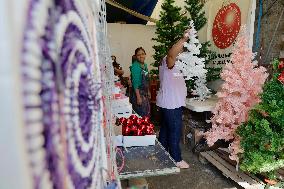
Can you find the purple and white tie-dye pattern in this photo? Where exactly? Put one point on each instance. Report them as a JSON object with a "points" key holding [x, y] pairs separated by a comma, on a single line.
{"points": [[62, 89]]}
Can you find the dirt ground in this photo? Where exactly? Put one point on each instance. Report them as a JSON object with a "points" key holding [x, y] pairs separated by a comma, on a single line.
{"points": [[198, 176]]}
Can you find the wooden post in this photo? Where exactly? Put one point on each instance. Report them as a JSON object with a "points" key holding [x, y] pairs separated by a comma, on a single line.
{"points": [[251, 22]]}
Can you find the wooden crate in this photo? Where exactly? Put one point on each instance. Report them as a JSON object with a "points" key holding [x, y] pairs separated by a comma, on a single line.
{"points": [[189, 129], [195, 138], [228, 169]]}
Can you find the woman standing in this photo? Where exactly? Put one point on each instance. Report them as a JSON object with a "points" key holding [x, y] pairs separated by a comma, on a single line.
{"points": [[140, 84], [171, 97]]}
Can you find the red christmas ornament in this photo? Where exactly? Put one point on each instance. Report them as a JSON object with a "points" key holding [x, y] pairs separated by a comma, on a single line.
{"points": [[226, 25], [133, 117], [134, 133], [151, 126], [281, 65], [139, 121], [149, 131], [129, 122], [281, 78], [126, 131], [122, 119], [134, 128], [140, 132], [143, 127], [146, 119]]}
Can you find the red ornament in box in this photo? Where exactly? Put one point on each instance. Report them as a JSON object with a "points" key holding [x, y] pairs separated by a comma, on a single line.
{"points": [[143, 127], [135, 126], [139, 121], [122, 120], [151, 126], [134, 130], [146, 119], [140, 132], [126, 131], [134, 118], [149, 131], [129, 122]]}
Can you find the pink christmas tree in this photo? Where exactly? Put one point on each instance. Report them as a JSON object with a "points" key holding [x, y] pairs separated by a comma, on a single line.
{"points": [[243, 82]]}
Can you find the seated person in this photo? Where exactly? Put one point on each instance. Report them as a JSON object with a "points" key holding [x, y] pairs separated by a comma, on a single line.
{"points": [[116, 66], [119, 72]]}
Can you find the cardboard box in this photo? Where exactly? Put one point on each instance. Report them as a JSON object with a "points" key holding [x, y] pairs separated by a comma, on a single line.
{"points": [[122, 111], [118, 140], [147, 140], [117, 130], [128, 141], [121, 107], [120, 102], [195, 137]]}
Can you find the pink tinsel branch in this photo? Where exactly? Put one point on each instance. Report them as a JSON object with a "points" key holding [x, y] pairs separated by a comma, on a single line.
{"points": [[239, 93]]}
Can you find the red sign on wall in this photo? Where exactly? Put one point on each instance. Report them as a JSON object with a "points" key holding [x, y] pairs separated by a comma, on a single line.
{"points": [[226, 25]]}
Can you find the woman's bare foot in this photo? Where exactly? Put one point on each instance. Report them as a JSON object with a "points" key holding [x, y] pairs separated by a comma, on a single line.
{"points": [[182, 165]]}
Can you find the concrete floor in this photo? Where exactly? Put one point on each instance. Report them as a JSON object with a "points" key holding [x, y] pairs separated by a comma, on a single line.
{"points": [[198, 176]]}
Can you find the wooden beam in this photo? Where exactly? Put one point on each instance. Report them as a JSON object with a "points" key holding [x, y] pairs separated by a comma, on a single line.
{"points": [[244, 180]]}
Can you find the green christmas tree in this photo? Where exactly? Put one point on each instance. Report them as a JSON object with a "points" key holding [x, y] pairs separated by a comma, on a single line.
{"points": [[197, 14], [262, 137], [170, 28]]}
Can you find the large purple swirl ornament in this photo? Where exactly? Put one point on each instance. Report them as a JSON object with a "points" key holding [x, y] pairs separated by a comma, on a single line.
{"points": [[63, 96]]}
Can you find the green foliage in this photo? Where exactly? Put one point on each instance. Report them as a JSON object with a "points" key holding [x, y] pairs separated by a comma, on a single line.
{"points": [[197, 14], [262, 137], [213, 73], [170, 28]]}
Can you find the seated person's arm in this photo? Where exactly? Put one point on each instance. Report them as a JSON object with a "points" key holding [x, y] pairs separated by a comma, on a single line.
{"points": [[118, 71]]}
